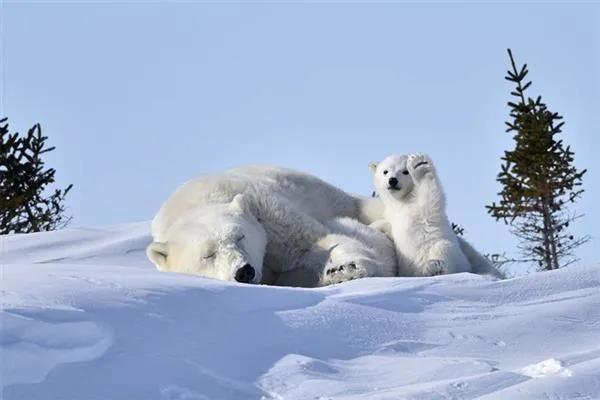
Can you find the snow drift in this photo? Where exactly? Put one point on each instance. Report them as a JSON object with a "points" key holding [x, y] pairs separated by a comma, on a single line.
{"points": [[85, 316]]}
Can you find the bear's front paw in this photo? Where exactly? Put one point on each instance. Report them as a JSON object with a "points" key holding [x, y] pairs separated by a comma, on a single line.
{"points": [[418, 164], [436, 267], [342, 273]]}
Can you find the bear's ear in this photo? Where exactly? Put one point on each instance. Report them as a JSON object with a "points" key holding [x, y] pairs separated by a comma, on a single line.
{"points": [[157, 253], [373, 167], [238, 204]]}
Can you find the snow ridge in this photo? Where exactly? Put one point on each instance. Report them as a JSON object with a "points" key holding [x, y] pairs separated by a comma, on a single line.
{"points": [[86, 317]]}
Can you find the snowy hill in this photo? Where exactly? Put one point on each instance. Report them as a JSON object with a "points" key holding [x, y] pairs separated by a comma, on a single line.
{"points": [[86, 317]]}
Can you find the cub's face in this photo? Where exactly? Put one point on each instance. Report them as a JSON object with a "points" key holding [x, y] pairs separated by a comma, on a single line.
{"points": [[391, 177], [221, 241]]}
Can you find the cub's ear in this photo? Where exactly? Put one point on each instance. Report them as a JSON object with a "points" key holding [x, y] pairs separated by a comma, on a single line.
{"points": [[238, 204], [373, 166], [157, 253]]}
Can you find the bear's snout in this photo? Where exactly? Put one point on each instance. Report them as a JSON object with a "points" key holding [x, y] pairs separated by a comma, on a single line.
{"points": [[393, 182], [245, 274]]}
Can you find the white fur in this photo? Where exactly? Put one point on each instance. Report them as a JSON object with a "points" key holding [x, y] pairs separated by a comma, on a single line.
{"points": [[351, 250], [281, 217], [214, 241], [415, 209], [374, 252]]}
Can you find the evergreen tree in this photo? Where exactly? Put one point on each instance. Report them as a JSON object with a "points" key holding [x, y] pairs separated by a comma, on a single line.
{"points": [[538, 180], [26, 206]]}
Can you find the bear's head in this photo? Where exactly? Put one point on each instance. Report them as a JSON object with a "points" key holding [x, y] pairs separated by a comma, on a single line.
{"points": [[220, 241], [391, 177]]}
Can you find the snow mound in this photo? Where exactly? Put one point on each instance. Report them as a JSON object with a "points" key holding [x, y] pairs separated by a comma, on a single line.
{"points": [[547, 367], [85, 316], [33, 343]]}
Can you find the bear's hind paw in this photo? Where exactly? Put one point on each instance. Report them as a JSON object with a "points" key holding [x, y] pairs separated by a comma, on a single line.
{"points": [[342, 273], [436, 267]]}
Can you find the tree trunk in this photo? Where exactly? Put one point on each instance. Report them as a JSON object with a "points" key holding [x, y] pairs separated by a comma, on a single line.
{"points": [[546, 234]]}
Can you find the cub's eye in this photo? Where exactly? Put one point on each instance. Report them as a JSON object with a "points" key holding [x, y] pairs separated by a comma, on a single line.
{"points": [[405, 172], [209, 256], [385, 172], [240, 238]]}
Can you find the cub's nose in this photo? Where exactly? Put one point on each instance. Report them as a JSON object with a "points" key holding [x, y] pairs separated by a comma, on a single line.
{"points": [[393, 181], [245, 274]]}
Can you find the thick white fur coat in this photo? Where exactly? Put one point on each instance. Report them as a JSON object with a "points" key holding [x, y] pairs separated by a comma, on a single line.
{"points": [[291, 207]]}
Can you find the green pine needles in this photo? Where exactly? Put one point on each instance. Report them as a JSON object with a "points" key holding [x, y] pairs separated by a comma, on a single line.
{"points": [[25, 204], [538, 180]]}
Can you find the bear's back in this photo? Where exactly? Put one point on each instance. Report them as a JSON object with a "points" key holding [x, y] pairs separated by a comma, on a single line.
{"points": [[312, 195]]}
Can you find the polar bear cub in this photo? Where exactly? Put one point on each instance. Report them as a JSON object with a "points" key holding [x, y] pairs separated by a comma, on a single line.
{"points": [[415, 208]]}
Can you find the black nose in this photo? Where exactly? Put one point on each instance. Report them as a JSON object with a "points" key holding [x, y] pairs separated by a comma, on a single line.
{"points": [[245, 274], [393, 182]]}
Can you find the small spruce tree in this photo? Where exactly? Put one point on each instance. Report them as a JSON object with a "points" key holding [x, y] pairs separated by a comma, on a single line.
{"points": [[538, 180], [25, 205]]}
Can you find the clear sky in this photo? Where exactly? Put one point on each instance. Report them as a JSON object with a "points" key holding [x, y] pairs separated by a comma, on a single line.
{"points": [[140, 96]]}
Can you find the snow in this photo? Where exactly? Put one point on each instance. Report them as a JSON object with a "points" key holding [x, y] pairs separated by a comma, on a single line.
{"points": [[545, 368], [85, 316]]}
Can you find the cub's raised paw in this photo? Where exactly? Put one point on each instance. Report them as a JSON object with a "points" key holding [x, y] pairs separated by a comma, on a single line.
{"points": [[418, 164], [342, 273], [436, 267]]}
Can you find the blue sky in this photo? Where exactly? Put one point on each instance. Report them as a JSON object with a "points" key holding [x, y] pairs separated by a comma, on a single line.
{"points": [[140, 96]]}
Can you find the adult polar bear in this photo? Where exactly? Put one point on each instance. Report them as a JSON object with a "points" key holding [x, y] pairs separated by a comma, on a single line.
{"points": [[270, 225]]}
